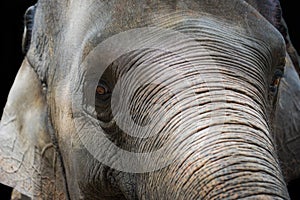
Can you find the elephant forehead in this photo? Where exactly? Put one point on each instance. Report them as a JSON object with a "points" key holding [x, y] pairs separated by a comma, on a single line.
{"points": [[69, 30], [231, 15]]}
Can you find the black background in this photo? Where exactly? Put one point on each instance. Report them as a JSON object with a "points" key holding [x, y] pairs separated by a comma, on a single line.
{"points": [[11, 37]]}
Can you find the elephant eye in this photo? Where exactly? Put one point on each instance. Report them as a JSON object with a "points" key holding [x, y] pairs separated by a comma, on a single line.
{"points": [[102, 89], [276, 80]]}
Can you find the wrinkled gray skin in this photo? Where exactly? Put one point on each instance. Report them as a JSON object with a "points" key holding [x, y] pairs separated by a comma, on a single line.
{"points": [[232, 135]]}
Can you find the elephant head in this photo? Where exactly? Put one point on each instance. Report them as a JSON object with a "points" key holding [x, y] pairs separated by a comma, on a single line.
{"points": [[157, 99]]}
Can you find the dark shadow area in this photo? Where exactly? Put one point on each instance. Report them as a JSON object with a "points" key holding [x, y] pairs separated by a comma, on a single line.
{"points": [[11, 56], [294, 189], [290, 11], [5, 192]]}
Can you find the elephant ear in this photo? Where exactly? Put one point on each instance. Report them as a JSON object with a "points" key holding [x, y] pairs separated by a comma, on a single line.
{"points": [[271, 10], [27, 156]]}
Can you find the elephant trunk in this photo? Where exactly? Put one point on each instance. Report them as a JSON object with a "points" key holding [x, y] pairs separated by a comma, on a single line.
{"points": [[233, 162], [227, 154], [222, 144]]}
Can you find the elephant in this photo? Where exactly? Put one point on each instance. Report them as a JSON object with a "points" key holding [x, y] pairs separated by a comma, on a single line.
{"points": [[160, 99]]}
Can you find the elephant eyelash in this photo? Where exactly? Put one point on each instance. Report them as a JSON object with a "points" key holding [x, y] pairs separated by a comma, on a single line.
{"points": [[28, 25]]}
